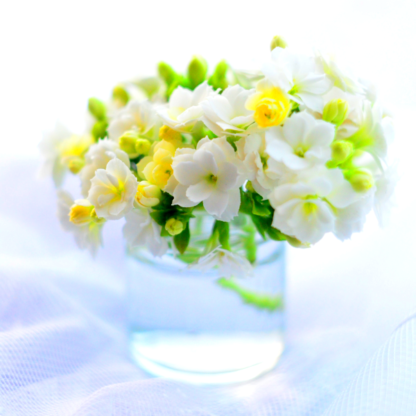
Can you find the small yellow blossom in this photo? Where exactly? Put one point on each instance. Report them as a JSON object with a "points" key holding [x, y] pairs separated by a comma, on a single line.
{"points": [[82, 213], [72, 151], [158, 169], [271, 106], [148, 195], [170, 135]]}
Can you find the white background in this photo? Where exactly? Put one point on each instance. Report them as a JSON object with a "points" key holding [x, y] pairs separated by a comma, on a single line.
{"points": [[56, 54]]}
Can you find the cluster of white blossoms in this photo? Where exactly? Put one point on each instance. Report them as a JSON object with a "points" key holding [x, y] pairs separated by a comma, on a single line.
{"points": [[301, 152]]}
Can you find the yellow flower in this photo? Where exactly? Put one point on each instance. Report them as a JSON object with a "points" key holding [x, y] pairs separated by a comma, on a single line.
{"points": [[72, 151], [170, 135], [82, 212], [270, 104], [158, 169], [147, 195]]}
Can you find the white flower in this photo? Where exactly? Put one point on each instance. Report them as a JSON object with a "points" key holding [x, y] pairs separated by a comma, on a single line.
{"points": [[375, 131], [342, 77], [251, 150], [383, 199], [113, 190], [184, 108], [50, 150], [141, 230], [209, 174], [351, 219], [97, 157], [87, 235], [299, 76], [227, 113], [301, 143], [307, 208], [229, 264], [137, 116]]}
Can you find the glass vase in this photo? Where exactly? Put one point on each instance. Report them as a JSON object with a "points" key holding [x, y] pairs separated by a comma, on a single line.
{"points": [[203, 328]]}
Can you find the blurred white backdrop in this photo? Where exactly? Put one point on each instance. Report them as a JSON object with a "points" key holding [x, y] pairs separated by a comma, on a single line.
{"points": [[55, 54]]}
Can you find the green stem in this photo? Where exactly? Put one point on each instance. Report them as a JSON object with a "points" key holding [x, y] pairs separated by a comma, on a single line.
{"points": [[259, 300]]}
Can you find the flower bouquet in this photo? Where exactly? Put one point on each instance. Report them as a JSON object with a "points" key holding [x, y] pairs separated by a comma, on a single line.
{"points": [[212, 172]]}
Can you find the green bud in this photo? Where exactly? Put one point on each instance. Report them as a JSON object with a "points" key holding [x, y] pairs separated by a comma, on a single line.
{"points": [[150, 85], [99, 129], [142, 146], [277, 41], [219, 78], [128, 142], [121, 95], [197, 71], [174, 226], [341, 150], [336, 111], [167, 73], [76, 164], [249, 187], [97, 109], [294, 242], [361, 180]]}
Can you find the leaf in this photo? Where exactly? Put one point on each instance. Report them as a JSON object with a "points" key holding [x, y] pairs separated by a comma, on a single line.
{"points": [[259, 300], [246, 206], [223, 229], [181, 240], [261, 210], [259, 225]]}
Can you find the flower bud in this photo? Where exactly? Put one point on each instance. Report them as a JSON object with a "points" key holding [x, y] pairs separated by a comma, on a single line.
{"points": [[335, 111], [97, 109], [76, 164], [99, 129], [142, 146], [197, 71], [167, 73], [277, 42], [361, 180], [81, 214], [148, 195], [341, 150], [170, 135], [127, 143], [219, 78], [120, 95], [249, 187], [174, 226], [150, 85]]}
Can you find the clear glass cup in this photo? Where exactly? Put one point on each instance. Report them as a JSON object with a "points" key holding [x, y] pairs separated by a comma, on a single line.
{"points": [[199, 327]]}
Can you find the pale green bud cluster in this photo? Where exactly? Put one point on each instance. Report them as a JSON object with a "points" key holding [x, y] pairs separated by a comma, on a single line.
{"points": [[361, 179], [134, 145], [99, 111], [341, 151], [335, 111], [174, 226]]}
